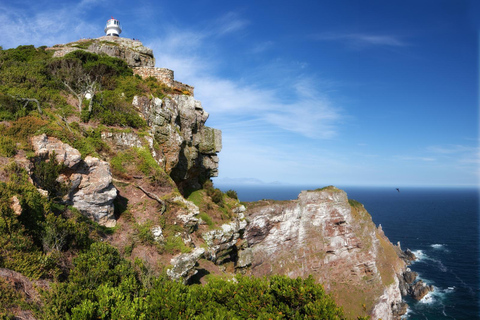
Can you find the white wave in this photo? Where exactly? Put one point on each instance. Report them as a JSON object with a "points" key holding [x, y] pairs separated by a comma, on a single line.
{"points": [[407, 314], [428, 299], [420, 255], [424, 258], [437, 295], [449, 289], [439, 246]]}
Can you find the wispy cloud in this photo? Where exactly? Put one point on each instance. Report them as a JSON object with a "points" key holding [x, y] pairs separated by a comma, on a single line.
{"points": [[305, 110], [362, 40], [410, 158], [230, 23], [47, 28]]}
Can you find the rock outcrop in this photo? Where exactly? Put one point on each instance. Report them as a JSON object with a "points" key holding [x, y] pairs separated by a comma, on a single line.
{"points": [[223, 242], [187, 148], [183, 265], [323, 234], [132, 51], [89, 181]]}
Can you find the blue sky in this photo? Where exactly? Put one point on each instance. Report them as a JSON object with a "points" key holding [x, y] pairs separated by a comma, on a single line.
{"points": [[306, 92]]}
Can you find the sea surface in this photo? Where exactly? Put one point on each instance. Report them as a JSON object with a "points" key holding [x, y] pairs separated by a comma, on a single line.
{"points": [[440, 225]]}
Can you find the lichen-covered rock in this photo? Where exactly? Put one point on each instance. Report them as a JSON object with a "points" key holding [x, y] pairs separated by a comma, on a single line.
{"points": [[90, 181], [122, 140], [245, 258], [222, 242], [95, 193], [64, 153], [183, 265], [187, 148], [157, 233]]}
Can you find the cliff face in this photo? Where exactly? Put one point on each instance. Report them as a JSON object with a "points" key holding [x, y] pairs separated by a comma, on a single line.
{"points": [[187, 149], [322, 234]]}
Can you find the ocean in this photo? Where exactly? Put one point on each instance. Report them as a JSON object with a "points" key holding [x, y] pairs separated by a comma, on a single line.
{"points": [[440, 225]]}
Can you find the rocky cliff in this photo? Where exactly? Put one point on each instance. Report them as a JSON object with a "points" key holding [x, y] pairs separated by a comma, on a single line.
{"points": [[324, 234], [147, 180]]}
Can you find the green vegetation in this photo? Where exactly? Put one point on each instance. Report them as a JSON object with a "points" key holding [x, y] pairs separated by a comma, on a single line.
{"points": [[103, 285], [44, 239], [32, 81], [46, 174], [8, 147], [355, 204], [232, 194], [328, 188]]}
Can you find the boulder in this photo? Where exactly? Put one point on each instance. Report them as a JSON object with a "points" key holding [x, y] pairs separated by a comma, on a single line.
{"points": [[64, 153], [183, 265], [95, 192], [420, 290], [91, 190]]}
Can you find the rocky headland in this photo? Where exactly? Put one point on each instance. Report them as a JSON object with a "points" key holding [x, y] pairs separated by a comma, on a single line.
{"points": [[152, 184]]}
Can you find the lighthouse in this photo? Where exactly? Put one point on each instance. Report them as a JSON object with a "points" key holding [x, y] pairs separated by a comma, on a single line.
{"points": [[113, 28]]}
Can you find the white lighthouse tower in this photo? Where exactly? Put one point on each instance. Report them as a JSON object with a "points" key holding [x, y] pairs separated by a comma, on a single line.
{"points": [[113, 28]]}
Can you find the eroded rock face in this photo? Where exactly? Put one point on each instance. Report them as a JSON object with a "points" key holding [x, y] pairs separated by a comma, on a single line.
{"points": [[222, 243], [321, 234], [90, 181], [92, 191], [188, 149]]}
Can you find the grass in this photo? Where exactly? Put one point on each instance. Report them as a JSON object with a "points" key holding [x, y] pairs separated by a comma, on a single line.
{"points": [[208, 220], [328, 188]]}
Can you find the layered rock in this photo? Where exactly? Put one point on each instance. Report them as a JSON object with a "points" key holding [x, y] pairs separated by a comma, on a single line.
{"points": [[187, 148], [90, 181], [324, 235], [223, 242]]}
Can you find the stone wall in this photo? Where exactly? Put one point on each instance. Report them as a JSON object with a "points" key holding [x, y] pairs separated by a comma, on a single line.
{"points": [[164, 75]]}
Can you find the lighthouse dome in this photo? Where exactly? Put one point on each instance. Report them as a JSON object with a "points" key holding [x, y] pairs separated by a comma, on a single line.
{"points": [[113, 28]]}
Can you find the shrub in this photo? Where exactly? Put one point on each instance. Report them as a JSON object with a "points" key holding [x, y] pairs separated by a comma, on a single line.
{"points": [[232, 194], [46, 173], [24, 128], [217, 197], [8, 147]]}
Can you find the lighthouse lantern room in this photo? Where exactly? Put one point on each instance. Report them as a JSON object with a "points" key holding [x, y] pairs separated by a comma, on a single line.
{"points": [[113, 28]]}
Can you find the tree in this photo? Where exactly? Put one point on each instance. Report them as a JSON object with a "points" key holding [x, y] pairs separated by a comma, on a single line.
{"points": [[76, 79]]}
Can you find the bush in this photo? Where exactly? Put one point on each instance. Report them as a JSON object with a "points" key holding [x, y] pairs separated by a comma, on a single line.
{"points": [[24, 128], [232, 194], [217, 197], [46, 173], [8, 147]]}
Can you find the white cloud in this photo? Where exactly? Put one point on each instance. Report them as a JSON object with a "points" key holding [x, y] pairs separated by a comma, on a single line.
{"points": [[43, 27], [362, 40], [230, 23], [299, 107]]}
